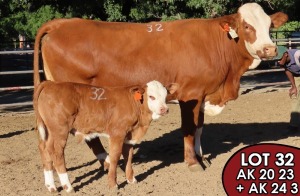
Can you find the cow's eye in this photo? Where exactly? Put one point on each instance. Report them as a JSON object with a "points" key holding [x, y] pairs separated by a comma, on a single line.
{"points": [[152, 98]]}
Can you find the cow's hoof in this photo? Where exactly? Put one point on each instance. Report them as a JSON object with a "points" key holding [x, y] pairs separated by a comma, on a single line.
{"points": [[195, 167], [205, 162]]}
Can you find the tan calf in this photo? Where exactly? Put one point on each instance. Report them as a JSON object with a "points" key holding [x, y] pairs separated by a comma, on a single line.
{"points": [[122, 114]]}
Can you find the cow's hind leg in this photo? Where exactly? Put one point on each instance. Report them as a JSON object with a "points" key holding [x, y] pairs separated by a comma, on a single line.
{"points": [[189, 115], [198, 147], [128, 155], [99, 151], [48, 167]]}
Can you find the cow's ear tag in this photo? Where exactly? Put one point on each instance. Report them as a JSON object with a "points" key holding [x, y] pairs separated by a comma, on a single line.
{"points": [[230, 30], [232, 33], [137, 96]]}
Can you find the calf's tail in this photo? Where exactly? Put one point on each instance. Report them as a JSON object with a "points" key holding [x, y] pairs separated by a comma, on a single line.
{"points": [[40, 125]]}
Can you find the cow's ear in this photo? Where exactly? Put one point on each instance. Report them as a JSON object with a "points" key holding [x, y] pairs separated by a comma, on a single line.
{"points": [[278, 19], [172, 88], [229, 21]]}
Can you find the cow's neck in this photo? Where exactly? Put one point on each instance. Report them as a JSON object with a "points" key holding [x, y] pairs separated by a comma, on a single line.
{"points": [[237, 65]]}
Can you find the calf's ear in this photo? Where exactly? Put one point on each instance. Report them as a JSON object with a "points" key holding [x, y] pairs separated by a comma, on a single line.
{"points": [[278, 19], [135, 89], [172, 88], [137, 92]]}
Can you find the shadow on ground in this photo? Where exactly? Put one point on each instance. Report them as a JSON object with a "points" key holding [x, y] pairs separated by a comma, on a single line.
{"points": [[216, 139]]}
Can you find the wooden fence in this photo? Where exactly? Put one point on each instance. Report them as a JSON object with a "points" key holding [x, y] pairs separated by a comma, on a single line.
{"points": [[288, 43]]}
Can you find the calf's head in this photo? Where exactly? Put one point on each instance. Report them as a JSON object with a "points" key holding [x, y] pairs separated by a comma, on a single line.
{"points": [[154, 97]]}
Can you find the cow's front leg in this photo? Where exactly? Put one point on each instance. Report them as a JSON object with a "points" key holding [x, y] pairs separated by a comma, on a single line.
{"points": [[128, 155], [99, 151], [198, 147], [189, 116], [115, 150]]}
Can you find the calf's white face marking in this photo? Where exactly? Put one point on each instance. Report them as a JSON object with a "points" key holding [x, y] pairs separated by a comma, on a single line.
{"points": [[156, 99], [254, 15]]}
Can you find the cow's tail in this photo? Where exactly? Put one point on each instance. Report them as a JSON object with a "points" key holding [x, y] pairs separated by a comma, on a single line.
{"points": [[43, 30], [36, 55], [40, 125]]}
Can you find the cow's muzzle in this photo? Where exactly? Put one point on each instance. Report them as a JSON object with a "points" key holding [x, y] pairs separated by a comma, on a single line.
{"points": [[269, 52]]}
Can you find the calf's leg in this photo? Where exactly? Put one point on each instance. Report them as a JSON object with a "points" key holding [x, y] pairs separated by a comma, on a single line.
{"points": [[56, 146], [48, 166], [115, 150], [128, 155]]}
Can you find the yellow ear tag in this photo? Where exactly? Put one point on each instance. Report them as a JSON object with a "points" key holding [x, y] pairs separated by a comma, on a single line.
{"points": [[137, 96]]}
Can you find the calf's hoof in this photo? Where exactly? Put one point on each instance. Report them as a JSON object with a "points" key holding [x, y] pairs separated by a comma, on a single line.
{"points": [[195, 167], [105, 166], [133, 181], [51, 189], [68, 189], [113, 187]]}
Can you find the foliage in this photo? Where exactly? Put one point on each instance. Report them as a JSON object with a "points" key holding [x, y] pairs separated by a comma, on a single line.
{"points": [[286, 30], [26, 16]]}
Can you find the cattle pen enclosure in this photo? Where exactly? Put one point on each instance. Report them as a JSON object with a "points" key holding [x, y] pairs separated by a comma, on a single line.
{"points": [[16, 79], [259, 115]]}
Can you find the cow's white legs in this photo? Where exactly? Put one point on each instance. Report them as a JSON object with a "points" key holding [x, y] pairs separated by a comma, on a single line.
{"points": [[104, 159], [49, 181], [99, 151], [65, 182], [198, 148]]}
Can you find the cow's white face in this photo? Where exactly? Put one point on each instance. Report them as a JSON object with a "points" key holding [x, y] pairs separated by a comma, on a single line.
{"points": [[156, 99], [255, 25]]}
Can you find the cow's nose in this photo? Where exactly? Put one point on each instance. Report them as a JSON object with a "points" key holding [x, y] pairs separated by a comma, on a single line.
{"points": [[164, 110], [270, 51]]}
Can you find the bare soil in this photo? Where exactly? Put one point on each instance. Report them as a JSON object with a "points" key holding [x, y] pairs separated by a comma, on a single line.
{"points": [[257, 116]]}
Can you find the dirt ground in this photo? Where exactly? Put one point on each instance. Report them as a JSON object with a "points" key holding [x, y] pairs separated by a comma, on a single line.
{"points": [[257, 116]]}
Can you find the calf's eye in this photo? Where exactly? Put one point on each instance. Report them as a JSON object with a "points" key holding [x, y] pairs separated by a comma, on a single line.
{"points": [[152, 98]]}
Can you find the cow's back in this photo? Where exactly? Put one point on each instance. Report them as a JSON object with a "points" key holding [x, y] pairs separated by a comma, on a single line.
{"points": [[114, 54]]}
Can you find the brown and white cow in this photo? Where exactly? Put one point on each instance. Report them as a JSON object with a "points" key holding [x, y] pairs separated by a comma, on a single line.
{"points": [[123, 114], [206, 57]]}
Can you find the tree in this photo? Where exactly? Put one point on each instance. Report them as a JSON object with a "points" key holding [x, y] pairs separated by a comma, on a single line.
{"points": [[26, 16]]}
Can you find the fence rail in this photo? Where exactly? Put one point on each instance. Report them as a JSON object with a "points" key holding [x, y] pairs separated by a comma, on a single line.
{"points": [[289, 42]]}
